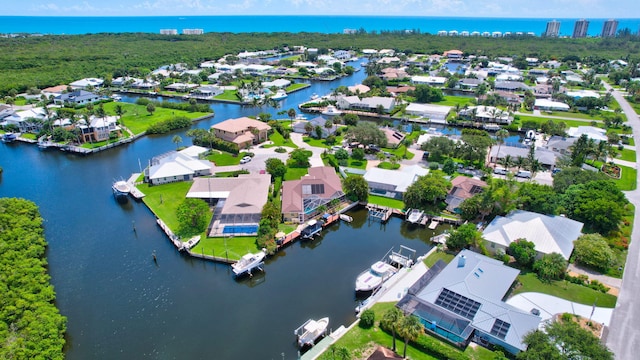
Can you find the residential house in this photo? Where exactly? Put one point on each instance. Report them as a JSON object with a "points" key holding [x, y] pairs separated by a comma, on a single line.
{"points": [[511, 86], [592, 132], [462, 188], [238, 202], [393, 183], [488, 114], [368, 103], [462, 301], [545, 156], [359, 89], [87, 83], [550, 234], [396, 90], [54, 90], [453, 54], [435, 113], [560, 144], [76, 97], [98, 129], [429, 80], [302, 198], [550, 105], [26, 120], [394, 74], [242, 131], [394, 137], [206, 91], [278, 83], [469, 83], [342, 54], [181, 87], [177, 166], [299, 127]]}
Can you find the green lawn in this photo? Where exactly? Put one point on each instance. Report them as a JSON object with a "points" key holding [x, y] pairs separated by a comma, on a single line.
{"points": [[228, 95], [456, 100], [137, 119], [565, 290], [569, 123], [322, 143], [628, 180], [388, 166], [357, 164], [438, 255], [295, 173], [296, 86], [576, 115], [628, 155], [225, 159], [163, 200], [385, 201], [29, 136], [279, 140], [286, 228], [232, 248]]}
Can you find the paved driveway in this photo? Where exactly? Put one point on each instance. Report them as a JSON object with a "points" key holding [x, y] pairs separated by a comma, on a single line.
{"points": [[551, 305]]}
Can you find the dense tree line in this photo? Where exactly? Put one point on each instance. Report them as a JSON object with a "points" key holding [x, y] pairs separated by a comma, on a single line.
{"points": [[54, 59], [31, 326]]}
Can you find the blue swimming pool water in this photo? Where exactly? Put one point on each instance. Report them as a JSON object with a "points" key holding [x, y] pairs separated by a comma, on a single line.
{"points": [[240, 229]]}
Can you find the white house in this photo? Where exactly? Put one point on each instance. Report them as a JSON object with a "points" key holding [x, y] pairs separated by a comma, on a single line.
{"points": [[177, 166], [279, 83], [592, 132], [393, 183], [435, 113], [86, 82], [369, 103], [429, 80], [546, 104]]}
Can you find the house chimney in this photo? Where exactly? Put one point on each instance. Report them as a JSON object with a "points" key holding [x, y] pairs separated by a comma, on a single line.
{"points": [[462, 260]]}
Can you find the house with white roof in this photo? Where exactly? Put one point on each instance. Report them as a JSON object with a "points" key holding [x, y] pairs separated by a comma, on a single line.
{"points": [[486, 114], [86, 82], [435, 113], [26, 120], [278, 83], [76, 97], [177, 166], [463, 300], [393, 183], [592, 132], [579, 94], [367, 103], [550, 105], [429, 80], [550, 234], [545, 156]]}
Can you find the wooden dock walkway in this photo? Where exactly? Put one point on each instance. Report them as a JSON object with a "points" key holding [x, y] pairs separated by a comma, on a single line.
{"points": [[382, 213], [137, 194]]}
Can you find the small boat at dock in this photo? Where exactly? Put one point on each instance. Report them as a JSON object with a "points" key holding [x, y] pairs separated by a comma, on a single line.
{"points": [[414, 216], [120, 189], [248, 262], [331, 111], [280, 95], [312, 229], [310, 331], [373, 277], [345, 217], [9, 137]]}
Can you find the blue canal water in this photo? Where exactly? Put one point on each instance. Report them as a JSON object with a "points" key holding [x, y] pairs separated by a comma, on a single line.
{"points": [[292, 23], [120, 304]]}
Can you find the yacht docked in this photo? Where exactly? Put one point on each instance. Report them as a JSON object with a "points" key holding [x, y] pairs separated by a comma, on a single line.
{"points": [[414, 216], [9, 137], [248, 262], [310, 331], [280, 95], [120, 189], [331, 111], [373, 277]]}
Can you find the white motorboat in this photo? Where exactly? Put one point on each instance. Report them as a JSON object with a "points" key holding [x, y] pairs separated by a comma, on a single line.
{"points": [[414, 216], [345, 217], [248, 262], [280, 95], [373, 277], [331, 111], [120, 188], [310, 331], [314, 96]]}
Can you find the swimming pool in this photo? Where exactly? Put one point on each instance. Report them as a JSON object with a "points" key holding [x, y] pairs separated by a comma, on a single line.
{"points": [[240, 229]]}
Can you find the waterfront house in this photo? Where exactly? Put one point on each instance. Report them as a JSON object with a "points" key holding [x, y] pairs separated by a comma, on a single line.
{"points": [[453, 54], [175, 166], [550, 105], [393, 183], [486, 114], [368, 104], [469, 83], [359, 89], [242, 131], [462, 301], [394, 74], [301, 199], [435, 113], [511, 86], [462, 188], [76, 97], [429, 80], [549, 233], [277, 83], [87, 83], [394, 137], [592, 132], [545, 156], [560, 144], [238, 202], [26, 120], [181, 87], [206, 92], [99, 128]]}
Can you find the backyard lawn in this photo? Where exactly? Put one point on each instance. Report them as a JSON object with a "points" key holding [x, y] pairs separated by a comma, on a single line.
{"points": [[385, 201], [137, 119], [456, 100], [163, 200], [321, 142], [294, 173], [438, 255], [228, 95], [225, 159], [628, 179], [231, 247], [279, 140], [569, 123], [565, 290], [296, 86], [627, 155]]}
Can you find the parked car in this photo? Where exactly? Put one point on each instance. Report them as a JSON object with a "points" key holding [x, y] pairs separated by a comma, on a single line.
{"points": [[500, 171], [245, 159], [524, 174], [336, 147]]}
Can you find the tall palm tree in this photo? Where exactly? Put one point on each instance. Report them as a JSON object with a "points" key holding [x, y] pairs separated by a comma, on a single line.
{"points": [[500, 136], [520, 162], [410, 329], [176, 140], [507, 161], [292, 115], [391, 321]]}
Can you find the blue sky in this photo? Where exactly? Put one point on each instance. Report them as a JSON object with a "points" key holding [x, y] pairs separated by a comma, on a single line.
{"points": [[470, 8]]}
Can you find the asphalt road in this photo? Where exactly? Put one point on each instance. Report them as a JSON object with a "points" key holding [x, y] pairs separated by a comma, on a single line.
{"points": [[623, 336]]}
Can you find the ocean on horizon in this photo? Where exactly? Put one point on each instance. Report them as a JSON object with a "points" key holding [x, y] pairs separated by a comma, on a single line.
{"points": [[320, 24]]}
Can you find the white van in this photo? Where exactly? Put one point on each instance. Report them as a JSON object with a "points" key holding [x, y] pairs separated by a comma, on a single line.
{"points": [[524, 174], [500, 171]]}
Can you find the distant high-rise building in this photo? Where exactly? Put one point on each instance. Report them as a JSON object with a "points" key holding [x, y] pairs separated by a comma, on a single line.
{"points": [[580, 30], [169, 31], [553, 29], [610, 28], [192, 31]]}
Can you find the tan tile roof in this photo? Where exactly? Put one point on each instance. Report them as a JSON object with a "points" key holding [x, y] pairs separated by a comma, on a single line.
{"points": [[292, 189], [239, 124]]}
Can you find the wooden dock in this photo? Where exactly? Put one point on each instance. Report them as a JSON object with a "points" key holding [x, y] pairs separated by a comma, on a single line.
{"points": [[137, 194], [379, 213], [433, 224]]}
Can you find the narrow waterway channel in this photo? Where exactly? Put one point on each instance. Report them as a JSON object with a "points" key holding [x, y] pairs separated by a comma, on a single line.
{"points": [[120, 304]]}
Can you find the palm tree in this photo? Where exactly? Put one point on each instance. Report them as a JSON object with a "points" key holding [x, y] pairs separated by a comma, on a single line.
{"points": [[520, 162], [391, 321], [308, 127], [176, 140], [507, 161], [410, 328], [292, 115], [500, 136]]}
